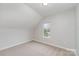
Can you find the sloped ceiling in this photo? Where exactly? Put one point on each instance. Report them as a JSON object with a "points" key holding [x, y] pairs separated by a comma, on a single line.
{"points": [[17, 15], [51, 8], [24, 15]]}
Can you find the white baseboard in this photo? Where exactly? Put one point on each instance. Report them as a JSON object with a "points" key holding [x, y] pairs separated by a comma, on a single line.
{"points": [[67, 49], [14, 45]]}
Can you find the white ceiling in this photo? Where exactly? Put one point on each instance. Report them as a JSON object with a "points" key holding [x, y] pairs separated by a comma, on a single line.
{"points": [[17, 15], [20, 15], [51, 8]]}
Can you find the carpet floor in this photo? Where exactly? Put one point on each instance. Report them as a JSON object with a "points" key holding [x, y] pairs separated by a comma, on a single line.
{"points": [[35, 49]]}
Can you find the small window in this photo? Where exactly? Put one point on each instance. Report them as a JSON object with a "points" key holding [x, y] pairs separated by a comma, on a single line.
{"points": [[46, 30]]}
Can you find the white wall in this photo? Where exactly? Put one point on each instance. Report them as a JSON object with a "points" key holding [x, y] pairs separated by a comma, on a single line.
{"points": [[12, 37], [62, 30], [18, 15], [17, 22], [77, 24]]}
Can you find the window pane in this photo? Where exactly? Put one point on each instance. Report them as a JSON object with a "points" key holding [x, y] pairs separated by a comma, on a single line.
{"points": [[46, 30]]}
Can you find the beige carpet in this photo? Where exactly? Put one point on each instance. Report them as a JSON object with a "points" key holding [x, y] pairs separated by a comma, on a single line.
{"points": [[35, 49]]}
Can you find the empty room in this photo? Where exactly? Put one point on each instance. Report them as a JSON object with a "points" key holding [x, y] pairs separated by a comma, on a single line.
{"points": [[39, 29]]}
